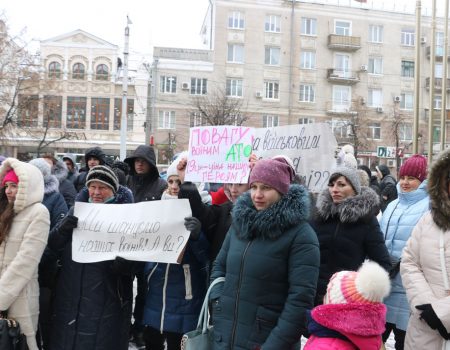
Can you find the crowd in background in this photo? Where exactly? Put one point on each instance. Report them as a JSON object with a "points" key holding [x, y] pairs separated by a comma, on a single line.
{"points": [[367, 256]]}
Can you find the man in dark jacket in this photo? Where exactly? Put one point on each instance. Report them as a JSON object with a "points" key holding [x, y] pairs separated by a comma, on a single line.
{"points": [[70, 160], [388, 189], [93, 156], [145, 183]]}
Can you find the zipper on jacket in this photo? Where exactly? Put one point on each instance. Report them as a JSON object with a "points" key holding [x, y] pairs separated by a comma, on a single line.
{"points": [[187, 282], [166, 277], [238, 292]]}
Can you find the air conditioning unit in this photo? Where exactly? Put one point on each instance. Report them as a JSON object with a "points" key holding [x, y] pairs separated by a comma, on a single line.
{"points": [[258, 94], [185, 86], [363, 101], [363, 68], [423, 40], [397, 99], [379, 109], [391, 163]]}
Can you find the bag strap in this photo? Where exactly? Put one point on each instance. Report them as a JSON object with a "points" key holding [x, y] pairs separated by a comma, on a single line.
{"points": [[204, 313]]}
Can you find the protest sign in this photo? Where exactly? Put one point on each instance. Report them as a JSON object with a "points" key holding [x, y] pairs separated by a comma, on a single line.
{"points": [[219, 154], [146, 231], [310, 146]]}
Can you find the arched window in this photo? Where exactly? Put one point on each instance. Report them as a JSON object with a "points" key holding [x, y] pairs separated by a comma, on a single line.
{"points": [[78, 71], [54, 70], [101, 73]]}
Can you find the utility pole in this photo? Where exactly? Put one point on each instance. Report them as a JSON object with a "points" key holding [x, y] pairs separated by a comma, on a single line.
{"points": [[151, 103], [444, 80], [124, 113], [432, 83], [417, 79], [291, 61]]}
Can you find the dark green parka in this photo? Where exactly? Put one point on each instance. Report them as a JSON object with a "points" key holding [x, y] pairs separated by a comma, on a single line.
{"points": [[270, 260]]}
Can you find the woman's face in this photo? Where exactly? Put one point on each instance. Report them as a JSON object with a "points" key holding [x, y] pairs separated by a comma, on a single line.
{"points": [[409, 183], [340, 189], [236, 190], [99, 192], [263, 196], [173, 183], [11, 191]]}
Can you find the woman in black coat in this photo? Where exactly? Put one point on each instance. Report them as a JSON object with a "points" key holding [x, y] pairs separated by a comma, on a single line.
{"points": [[347, 228]]}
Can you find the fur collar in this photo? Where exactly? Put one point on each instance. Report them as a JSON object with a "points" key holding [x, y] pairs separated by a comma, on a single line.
{"points": [[60, 170], [51, 184], [272, 222], [438, 189], [352, 209]]}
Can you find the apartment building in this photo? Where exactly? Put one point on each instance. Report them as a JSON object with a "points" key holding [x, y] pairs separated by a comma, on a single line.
{"points": [[308, 61]]}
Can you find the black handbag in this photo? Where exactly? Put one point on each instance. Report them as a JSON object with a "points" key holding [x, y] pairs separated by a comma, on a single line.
{"points": [[11, 338]]}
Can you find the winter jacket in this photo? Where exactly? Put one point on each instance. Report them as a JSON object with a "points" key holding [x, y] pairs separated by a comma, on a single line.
{"points": [[96, 152], [388, 189], [93, 301], [358, 326], [72, 175], [270, 260], [146, 187], [22, 249], [66, 187], [348, 233], [426, 259], [397, 223]]}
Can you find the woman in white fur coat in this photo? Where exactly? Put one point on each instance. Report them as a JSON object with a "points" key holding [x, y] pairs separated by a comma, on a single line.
{"points": [[24, 227]]}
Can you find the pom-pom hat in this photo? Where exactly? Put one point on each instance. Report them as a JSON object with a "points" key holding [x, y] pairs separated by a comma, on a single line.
{"points": [[104, 175], [415, 166], [274, 173]]}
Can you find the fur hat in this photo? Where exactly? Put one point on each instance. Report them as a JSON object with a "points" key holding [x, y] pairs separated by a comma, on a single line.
{"points": [[104, 175], [351, 174], [275, 173], [415, 166], [346, 157], [10, 176], [370, 284]]}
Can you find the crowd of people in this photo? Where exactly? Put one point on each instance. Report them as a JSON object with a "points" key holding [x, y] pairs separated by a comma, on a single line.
{"points": [[346, 267]]}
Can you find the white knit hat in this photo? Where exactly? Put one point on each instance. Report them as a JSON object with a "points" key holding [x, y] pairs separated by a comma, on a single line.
{"points": [[172, 170]]}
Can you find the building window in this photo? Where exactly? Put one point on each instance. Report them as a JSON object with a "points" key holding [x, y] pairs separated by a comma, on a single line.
{"points": [[100, 113], [78, 71], [271, 90], [439, 43], [307, 60], [196, 119], [305, 120], [308, 26], [375, 65], [375, 33], [54, 70], [340, 128], [28, 110], [168, 84], [408, 37], [438, 71], [408, 69], [76, 112], [199, 86], [341, 98], [101, 72], [272, 56], [272, 24], [407, 100], [437, 102], [375, 98], [374, 131], [405, 132], [52, 111], [306, 93], [342, 28], [236, 20], [270, 121], [235, 53], [234, 87], [118, 114], [166, 120]]}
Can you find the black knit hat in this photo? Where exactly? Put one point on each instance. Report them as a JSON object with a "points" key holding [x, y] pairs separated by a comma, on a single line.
{"points": [[104, 175]]}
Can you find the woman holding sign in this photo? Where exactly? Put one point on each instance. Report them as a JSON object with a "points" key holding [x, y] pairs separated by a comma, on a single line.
{"points": [[270, 260], [93, 300]]}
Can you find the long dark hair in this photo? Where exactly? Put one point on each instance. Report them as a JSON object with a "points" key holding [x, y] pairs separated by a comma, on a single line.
{"points": [[6, 215]]}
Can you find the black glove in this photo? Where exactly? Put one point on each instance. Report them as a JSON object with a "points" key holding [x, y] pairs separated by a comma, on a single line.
{"points": [[67, 225], [430, 317], [122, 266], [194, 226]]}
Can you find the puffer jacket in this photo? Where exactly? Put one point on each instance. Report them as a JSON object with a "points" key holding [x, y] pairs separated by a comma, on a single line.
{"points": [[426, 260], [66, 187], [348, 234], [93, 301], [397, 223], [270, 260], [21, 251]]}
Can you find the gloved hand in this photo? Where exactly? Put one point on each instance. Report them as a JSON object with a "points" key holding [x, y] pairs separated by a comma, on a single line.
{"points": [[430, 317], [193, 225], [67, 225]]}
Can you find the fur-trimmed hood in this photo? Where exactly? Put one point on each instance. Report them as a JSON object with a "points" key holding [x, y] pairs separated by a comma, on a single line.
{"points": [[272, 222], [351, 209], [438, 180], [51, 183], [60, 170]]}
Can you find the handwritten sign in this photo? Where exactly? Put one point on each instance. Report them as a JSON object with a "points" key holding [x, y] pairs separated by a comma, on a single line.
{"points": [[146, 231], [219, 154], [310, 146]]}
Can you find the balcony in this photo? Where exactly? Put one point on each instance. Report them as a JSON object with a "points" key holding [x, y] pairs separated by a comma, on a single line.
{"points": [[344, 42], [340, 109], [337, 76], [439, 53], [437, 84]]}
